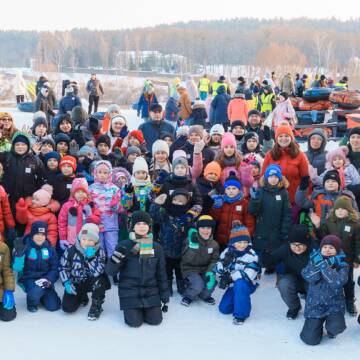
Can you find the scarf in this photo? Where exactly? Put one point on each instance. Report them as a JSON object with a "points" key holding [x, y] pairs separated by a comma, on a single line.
{"points": [[145, 244], [230, 200], [138, 183], [229, 161], [341, 172]]}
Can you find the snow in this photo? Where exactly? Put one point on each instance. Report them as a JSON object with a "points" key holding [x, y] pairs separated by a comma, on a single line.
{"points": [[194, 333]]}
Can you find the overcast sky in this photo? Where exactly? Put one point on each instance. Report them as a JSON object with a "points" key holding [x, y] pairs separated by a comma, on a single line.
{"points": [[119, 14]]}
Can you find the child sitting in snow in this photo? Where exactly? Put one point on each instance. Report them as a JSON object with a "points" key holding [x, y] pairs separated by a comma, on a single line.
{"points": [[239, 270]]}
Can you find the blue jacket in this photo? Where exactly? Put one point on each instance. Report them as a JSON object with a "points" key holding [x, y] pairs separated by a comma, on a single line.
{"points": [[219, 107], [171, 110], [144, 105], [68, 102], [40, 262], [325, 293]]}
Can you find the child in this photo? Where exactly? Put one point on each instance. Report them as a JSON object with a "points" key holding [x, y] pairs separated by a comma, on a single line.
{"points": [[134, 138], [238, 130], [62, 183], [62, 143], [160, 160], [7, 285], [216, 133], [82, 270], [132, 152], [229, 207], [37, 264], [239, 270], [106, 197], [343, 221], [7, 222], [51, 161], [199, 257], [326, 274], [140, 262], [39, 207], [77, 211], [103, 145]]}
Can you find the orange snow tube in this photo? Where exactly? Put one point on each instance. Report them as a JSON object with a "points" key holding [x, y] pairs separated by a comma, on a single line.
{"points": [[346, 99], [352, 120]]}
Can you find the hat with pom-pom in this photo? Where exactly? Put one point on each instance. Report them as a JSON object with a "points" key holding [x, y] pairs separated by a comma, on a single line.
{"points": [[238, 233], [44, 194]]}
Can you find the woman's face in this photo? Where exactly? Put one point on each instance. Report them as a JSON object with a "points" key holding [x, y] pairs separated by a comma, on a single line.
{"points": [[65, 126], [316, 142], [284, 140], [117, 126], [355, 142], [251, 144], [6, 122]]}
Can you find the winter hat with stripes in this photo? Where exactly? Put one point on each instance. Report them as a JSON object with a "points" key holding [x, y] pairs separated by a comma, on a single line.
{"points": [[238, 233]]}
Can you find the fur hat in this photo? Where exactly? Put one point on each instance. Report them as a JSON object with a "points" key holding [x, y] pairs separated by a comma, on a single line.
{"points": [[238, 233], [68, 160], [39, 227], [228, 139], [160, 145], [44, 194], [332, 240], [79, 184], [214, 168], [217, 129], [140, 216], [140, 164], [91, 231]]}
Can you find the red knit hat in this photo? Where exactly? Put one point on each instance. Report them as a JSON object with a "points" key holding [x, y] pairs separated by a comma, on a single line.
{"points": [[332, 240], [138, 135], [212, 167], [68, 160], [228, 139], [284, 129]]}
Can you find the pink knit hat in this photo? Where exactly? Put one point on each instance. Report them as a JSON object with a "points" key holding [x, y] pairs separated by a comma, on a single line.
{"points": [[341, 151], [228, 139], [44, 194], [79, 184]]}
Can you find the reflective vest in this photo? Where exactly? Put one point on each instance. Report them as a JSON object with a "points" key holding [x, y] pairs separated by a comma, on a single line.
{"points": [[216, 85], [204, 85], [266, 102], [340, 84], [253, 103]]}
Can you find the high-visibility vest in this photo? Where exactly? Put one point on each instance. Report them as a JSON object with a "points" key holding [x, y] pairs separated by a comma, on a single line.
{"points": [[216, 85], [253, 103], [340, 84], [204, 85], [266, 102]]}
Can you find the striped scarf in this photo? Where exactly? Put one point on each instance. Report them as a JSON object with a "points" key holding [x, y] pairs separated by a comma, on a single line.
{"points": [[145, 244]]}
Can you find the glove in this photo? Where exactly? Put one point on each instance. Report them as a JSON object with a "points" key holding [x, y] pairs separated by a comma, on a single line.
{"points": [[122, 251], [225, 280], [254, 193], [21, 203], [164, 307], [162, 176], [199, 147], [64, 244], [70, 288], [90, 252], [185, 219], [19, 246], [218, 201], [267, 133], [304, 183], [8, 300], [210, 280], [335, 261], [43, 283], [316, 258], [129, 189], [193, 242]]}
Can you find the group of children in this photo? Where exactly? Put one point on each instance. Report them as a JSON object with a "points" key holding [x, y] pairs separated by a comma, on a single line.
{"points": [[200, 208]]}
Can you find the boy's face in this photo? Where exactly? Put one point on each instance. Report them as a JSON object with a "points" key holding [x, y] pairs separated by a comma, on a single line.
{"points": [[241, 245], [216, 138], [341, 213], [45, 148], [355, 142], [141, 228], [229, 150], [52, 164], [62, 147], [316, 142], [232, 191], [39, 239], [103, 149], [205, 232], [140, 175], [160, 156], [273, 180], [67, 170], [103, 175], [86, 242], [131, 157], [251, 144], [328, 250], [212, 177], [331, 185], [238, 130], [80, 195], [298, 248], [133, 141], [40, 130], [65, 126], [179, 200], [20, 148], [180, 170]]}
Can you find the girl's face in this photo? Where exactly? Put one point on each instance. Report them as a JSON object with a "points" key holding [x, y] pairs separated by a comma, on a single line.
{"points": [[85, 242], [331, 185], [229, 150], [67, 170], [40, 130], [328, 251], [168, 140], [281, 98], [35, 201], [45, 148], [39, 239], [180, 170], [337, 162], [273, 180], [355, 142], [103, 175], [232, 191], [255, 171], [52, 164], [216, 139], [251, 144], [20, 148], [133, 141], [131, 157], [141, 228], [160, 156], [80, 195], [341, 213], [212, 177], [194, 138], [241, 245], [141, 175], [65, 126], [238, 131], [103, 149], [62, 147], [205, 232], [298, 248], [284, 140], [117, 126], [316, 142]]}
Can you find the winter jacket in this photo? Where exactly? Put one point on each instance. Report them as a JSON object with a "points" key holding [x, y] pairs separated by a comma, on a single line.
{"points": [[142, 280], [144, 104], [207, 156], [6, 216], [206, 187], [292, 168], [94, 87], [352, 177], [243, 173], [7, 279], [117, 140], [62, 187], [171, 110], [272, 211], [219, 106], [26, 214], [68, 102], [287, 84], [73, 215], [238, 110], [317, 159], [198, 116], [325, 295], [198, 259], [44, 104], [229, 212], [140, 198], [284, 111], [184, 104]]}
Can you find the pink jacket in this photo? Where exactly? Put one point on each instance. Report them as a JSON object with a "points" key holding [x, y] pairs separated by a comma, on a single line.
{"points": [[238, 110], [283, 112]]}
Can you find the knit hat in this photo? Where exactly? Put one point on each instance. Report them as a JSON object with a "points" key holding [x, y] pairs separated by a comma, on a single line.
{"points": [[79, 115], [354, 131], [137, 134], [197, 130], [79, 184], [299, 234], [237, 123], [228, 139], [273, 170], [160, 145], [182, 131], [119, 172], [254, 112], [86, 150], [140, 164], [205, 221], [44, 194], [68, 160], [232, 180], [39, 227], [332, 175], [140, 216], [20, 137], [40, 121], [118, 118], [217, 129], [332, 240], [156, 107], [341, 152], [238, 233], [179, 157], [103, 139], [133, 150], [251, 135], [343, 202], [48, 140], [37, 116], [284, 129], [101, 164], [91, 231], [62, 137], [214, 168], [113, 108], [52, 155]]}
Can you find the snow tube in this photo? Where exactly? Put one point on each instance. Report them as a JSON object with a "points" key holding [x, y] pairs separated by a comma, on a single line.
{"points": [[346, 99], [309, 118], [26, 106], [98, 115], [316, 94], [352, 120], [318, 105]]}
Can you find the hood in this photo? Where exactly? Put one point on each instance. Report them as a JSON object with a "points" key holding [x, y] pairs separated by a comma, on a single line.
{"points": [[323, 135], [221, 90]]}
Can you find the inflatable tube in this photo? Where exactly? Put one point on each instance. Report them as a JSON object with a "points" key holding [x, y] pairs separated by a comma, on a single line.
{"points": [[26, 106], [316, 94]]}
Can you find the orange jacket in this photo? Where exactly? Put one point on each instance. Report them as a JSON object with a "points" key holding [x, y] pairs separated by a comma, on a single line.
{"points": [[238, 110]]}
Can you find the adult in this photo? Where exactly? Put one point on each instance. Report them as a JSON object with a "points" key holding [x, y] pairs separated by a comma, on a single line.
{"points": [[287, 84], [118, 131], [7, 126], [40, 83], [146, 101], [204, 87], [316, 152], [45, 104], [192, 88], [254, 124], [219, 106], [94, 89], [69, 101], [284, 111], [237, 107], [172, 109], [19, 87], [184, 102], [220, 82], [287, 154], [343, 83], [267, 99]]}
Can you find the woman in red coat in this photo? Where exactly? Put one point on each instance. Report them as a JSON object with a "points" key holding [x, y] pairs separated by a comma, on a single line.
{"points": [[286, 153]]}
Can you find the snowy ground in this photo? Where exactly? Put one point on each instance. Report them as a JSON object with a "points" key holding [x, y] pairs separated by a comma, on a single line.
{"points": [[198, 332]]}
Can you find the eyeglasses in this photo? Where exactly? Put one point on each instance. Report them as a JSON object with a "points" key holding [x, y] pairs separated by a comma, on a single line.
{"points": [[297, 245]]}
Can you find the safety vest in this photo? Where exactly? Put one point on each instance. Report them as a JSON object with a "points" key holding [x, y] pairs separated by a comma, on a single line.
{"points": [[343, 85], [204, 85], [266, 102], [253, 103], [216, 85]]}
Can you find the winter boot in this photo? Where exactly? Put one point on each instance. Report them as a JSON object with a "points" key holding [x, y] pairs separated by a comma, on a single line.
{"points": [[95, 310], [186, 301], [210, 300], [32, 309], [293, 313], [351, 307], [238, 321], [180, 286]]}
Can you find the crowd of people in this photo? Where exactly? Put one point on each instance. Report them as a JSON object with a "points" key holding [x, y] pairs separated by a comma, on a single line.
{"points": [[206, 193]]}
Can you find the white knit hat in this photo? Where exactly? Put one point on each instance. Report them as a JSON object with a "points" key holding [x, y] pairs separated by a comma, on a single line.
{"points": [[118, 118], [160, 145], [217, 129], [140, 164]]}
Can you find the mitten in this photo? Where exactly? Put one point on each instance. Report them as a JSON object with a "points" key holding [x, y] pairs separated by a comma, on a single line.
{"points": [[90, 252], [316, 258], [43, 283], [8, 301], [304, 182], [199, 147], [210, 280], [129, 189], [225, 280], [70, 288], [164, 308], [218, 201]]}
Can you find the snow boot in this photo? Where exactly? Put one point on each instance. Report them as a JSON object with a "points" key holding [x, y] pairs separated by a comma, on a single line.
{"points": [[95, 310], [238, 321], [210, 300], [351, 307], [293, 313], [186, 301], [32, 309]]}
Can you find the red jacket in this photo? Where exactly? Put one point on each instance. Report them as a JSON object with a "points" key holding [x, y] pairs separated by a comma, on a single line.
{"points": [[292, 169], [26, 214], [227, 214], [6, 216]]}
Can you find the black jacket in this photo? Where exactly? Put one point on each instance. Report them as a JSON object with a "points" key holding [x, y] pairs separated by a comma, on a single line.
{"points": [[208, 155], [62, 187], [205, 187]]}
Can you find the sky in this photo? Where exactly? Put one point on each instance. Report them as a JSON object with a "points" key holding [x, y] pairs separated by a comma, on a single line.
{"points": [[118, 14]]}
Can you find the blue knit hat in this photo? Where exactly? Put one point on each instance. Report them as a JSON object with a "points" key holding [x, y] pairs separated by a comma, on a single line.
{"points": [[39, 227], [238, 233], [232, 180], [52, 155], [273, 170]]}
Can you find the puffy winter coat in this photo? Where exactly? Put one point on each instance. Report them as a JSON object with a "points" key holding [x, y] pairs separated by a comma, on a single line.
{"points": [[62, 186], [144, 104], [68, 102], [171, 110], [219, 105], [317, 159], [238, 110], [6, 217], [7, 279]]}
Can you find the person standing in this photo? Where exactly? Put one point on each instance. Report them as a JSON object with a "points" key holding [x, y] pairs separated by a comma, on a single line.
{"points": [[19, 87], [94, 89], [204, 87]]}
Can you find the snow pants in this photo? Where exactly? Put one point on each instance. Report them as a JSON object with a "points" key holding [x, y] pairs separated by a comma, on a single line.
{"points": [[236, 299], [203, 95], [312, 331], [195, 286], [349, 287], [136, 317], [36, 295], [289, 286], [108, 241], [7, 315]]}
